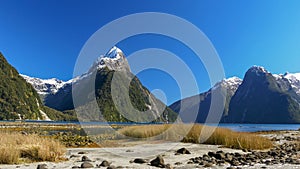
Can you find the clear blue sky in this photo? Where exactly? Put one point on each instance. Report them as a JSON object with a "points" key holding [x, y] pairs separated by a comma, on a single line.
{"points": [[43, 38]]}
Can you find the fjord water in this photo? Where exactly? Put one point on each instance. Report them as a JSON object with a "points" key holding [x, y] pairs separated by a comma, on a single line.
{"points": [[258, 127], [240, 127]]}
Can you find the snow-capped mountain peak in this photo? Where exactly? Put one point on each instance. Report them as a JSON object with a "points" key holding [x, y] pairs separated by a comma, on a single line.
{"points": [[231, 83], [233, 80], [45, 86], [114, 53], [258, 69], [114, 59]]}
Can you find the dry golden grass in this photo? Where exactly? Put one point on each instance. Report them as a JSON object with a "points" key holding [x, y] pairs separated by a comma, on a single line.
{"points": [[144, 131], [16, 148], [198, 134], [230, 139]]}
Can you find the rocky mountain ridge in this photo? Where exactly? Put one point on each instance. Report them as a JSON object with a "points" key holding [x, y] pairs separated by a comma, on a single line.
{"points": [[59, 95], [261, 97]]}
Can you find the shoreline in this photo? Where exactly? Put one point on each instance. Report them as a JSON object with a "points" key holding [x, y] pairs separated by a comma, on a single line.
{"points": [[238, 127], [124, 155]]}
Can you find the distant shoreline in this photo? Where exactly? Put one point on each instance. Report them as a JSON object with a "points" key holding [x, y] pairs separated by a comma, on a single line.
{"points": [[239, 127]]}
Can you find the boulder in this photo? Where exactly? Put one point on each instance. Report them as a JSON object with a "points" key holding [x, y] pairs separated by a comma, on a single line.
{"points": [[158, 162], [182, 151], [87, 165]]}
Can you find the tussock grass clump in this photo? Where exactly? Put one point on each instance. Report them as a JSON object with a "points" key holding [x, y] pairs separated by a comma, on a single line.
{"points": [[17, 148], [229, 138], [195, 133], [144, 131]]}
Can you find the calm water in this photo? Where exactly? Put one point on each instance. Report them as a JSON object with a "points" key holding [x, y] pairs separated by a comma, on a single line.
{"points": [[260, 127], [235, 127]]}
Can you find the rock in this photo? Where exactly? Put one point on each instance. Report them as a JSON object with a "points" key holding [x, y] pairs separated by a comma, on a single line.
{"points": [[24, 133], [221, 162], [158, 162], [268, 162], [85, 158], [105, 164], [178, 163], [230, 168], [235, 163], [205, 157], [219, 155], [190, 162], [82, 152], [211, 154], [228, 157], [86, 165], [75, 167], [168, 166], [140, 161], [42, 166], [182, 151], [237, 155], [273, 153], [296, 162], [74, 156], [208, 165], [111, 167]]}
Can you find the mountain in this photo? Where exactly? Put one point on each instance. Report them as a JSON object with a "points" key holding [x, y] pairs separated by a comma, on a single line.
{"points": [[18, 99], [51, 91], [103, 70], [261, 97], [201, 103], [47, 86], [114, 59], [265, 98], [294, 80]]}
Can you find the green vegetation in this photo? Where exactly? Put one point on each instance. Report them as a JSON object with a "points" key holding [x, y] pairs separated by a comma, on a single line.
{"points": [[17, 97], [139, 97], [19, 100], [55, 115], [191, 134], [70, 139]]}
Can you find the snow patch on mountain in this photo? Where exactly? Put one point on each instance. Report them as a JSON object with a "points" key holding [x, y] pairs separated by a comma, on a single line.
{"points": [[292, 76], [45, 86], [114, 59], [114, 53], [259, 70], [294, 79], [231, 83]]}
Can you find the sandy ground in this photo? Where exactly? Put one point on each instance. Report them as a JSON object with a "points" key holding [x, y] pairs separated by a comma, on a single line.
{"points": [[121, 156]]}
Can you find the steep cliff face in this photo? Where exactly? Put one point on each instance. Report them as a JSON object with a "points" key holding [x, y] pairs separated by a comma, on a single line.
{"points": [[264, 98], [18, 99], [103, 69], [261, 97], [226, 88]]}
